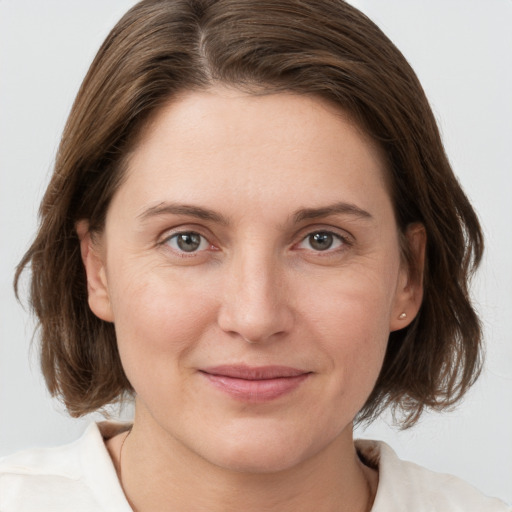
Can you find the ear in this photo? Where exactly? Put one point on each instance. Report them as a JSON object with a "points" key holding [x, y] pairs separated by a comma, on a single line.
{"points": [[409, 293], [93, 258]]}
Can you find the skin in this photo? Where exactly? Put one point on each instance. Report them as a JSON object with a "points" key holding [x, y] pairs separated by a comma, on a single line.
{"points": [[256, 292]]}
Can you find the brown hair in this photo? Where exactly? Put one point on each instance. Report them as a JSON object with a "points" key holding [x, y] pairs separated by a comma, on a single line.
{"points": [[321, 47]]}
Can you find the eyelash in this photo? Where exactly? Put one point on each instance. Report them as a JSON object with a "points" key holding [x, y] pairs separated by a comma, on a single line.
{"points": [[343, 243], [182, 253]]}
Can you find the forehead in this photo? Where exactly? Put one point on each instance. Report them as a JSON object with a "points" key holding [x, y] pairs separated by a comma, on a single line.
{"points": [[233, 114], [226, 142]]}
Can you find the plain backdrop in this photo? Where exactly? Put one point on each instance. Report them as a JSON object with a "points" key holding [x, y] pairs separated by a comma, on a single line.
{"points": [[462, 52]]}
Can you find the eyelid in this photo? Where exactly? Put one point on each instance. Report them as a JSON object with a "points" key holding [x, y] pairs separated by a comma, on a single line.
{"points": [[202, 242], [168, 234], [325, 228], [346, 239], [334, 235]]}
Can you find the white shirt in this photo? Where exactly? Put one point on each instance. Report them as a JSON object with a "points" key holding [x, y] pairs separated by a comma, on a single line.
{"points": [[80, 477]]}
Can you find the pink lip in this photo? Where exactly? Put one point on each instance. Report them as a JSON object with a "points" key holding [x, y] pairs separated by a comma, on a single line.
{"points": [[255, 384]]}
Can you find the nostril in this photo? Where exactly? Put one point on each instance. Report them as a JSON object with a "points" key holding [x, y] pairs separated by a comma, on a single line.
{"points": [[254, 308]]}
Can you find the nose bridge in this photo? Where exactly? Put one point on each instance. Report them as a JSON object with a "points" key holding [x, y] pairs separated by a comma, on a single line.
{"points": [[255, 299]]}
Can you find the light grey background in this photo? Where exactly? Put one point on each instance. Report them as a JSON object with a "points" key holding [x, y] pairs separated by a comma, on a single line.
{"points": [[462, 52]]}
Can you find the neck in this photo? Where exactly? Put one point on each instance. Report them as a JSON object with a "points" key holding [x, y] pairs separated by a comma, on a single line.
{"points": [[160, 473]]}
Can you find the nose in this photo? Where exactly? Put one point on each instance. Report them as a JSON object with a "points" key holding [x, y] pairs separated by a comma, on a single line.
{"points": [[256, 304]]}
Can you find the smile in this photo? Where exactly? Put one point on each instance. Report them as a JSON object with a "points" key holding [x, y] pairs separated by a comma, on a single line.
{"points": [[255, 384]]}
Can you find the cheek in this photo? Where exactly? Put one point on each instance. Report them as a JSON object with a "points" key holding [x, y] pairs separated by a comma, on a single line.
{"points": [[356, 300], [158, 321], [350, 319]]}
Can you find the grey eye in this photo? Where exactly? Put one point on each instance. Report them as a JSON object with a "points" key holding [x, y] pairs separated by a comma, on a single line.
{"points": [[321, 241], [187, 242]]}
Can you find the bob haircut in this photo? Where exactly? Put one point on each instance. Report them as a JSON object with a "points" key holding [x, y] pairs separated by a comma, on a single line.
{"points": [[325, 48]]}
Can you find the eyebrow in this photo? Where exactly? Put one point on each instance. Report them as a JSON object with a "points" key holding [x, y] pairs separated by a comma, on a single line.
{"points": [[182, 209], [333, 209], [165, 208]]}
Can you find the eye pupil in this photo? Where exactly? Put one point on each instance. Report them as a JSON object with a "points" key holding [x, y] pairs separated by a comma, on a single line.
{"points": [[188, 242], [321, 241]]}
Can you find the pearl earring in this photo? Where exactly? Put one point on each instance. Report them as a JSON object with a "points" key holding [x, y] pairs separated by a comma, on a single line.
{"points": [[402, 316]]}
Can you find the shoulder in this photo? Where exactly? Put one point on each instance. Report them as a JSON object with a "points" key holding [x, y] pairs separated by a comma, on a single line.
{"points": [[405, 486], [55, 479]]}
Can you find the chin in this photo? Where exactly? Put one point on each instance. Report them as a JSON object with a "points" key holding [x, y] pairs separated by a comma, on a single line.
{"points": [[264, 450], [256, 459]]}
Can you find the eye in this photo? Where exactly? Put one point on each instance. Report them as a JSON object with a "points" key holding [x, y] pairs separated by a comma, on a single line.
{"points": [[188, 241], [322, 241]]}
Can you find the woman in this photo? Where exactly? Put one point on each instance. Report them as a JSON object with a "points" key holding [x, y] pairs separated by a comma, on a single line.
{"points": [[251, 217]]}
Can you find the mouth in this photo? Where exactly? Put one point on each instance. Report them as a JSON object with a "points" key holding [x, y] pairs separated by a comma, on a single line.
{"points": [[255, 384]]}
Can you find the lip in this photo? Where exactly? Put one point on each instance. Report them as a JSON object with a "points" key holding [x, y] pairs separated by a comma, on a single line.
{"points": [[255, 384]]}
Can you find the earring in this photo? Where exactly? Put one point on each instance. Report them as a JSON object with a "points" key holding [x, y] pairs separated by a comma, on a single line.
{"points": [[402, 316]]}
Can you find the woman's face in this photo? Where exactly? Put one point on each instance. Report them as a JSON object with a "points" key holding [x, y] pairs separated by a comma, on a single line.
{"points": [[251, 265]]}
